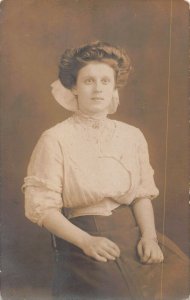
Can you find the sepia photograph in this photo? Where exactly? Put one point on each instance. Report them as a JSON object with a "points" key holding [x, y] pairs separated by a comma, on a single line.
{"points": [[94, 150]]}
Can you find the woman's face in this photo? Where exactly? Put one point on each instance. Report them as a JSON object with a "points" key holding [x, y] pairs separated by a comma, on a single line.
{"points": [[94, 88]]}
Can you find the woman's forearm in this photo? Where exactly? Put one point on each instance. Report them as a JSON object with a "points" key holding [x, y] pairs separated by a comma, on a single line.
{"points": [[100, 248], [57, 224], [144, 215]]}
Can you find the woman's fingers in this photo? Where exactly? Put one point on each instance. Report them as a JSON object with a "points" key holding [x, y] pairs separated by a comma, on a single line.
{"points": [[149, 252], [98, 257], [116, 248], [109, 249], [140, 250], [153, 259], [146, 254], [112, 252], [106, 254], [100, 248], [156, 255], [113, 249]]}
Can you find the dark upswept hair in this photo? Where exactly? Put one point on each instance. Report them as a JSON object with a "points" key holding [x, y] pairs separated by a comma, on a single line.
{"points": [[74, 59]]}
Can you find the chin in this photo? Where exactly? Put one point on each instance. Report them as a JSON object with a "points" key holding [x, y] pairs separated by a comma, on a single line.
{"points": [[98, 108]]}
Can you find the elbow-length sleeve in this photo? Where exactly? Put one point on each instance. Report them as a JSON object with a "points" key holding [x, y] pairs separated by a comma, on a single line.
{"points": [[43, 184], [146, 187]]}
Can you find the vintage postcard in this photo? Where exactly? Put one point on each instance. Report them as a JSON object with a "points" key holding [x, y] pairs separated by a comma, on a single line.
{"points": [[94, 149]]}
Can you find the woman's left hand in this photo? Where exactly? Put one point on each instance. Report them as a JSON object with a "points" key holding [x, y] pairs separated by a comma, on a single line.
{"points": [[149, 251]]}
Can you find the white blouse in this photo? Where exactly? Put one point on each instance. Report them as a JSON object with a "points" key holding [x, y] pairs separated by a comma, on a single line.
{"points": [[88, 167]]}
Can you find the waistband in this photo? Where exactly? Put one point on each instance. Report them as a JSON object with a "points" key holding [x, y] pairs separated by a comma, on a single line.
{"points": [[102, 208], [121, 217]]}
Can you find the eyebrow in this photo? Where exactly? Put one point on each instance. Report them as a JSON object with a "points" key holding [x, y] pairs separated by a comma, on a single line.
{"points": [[92, 76]]}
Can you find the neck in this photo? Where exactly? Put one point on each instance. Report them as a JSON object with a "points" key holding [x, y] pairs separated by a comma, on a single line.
{"points": [[97, 116]]}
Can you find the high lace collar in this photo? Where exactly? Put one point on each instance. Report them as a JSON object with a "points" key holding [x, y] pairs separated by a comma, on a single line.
{"points": [[91, 121]]}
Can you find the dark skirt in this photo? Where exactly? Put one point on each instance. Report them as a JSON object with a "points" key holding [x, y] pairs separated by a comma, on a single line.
{"points": [[78, 276]]}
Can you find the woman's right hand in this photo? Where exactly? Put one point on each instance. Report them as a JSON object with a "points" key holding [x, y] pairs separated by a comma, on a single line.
{"points": [[100, 248]]}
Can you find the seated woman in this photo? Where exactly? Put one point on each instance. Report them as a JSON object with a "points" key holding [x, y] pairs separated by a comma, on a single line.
{"points": [[90, 184]]}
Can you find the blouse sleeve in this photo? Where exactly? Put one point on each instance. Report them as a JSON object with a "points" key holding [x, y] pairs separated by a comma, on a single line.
{"points": [[147, 187], [43, 184]]}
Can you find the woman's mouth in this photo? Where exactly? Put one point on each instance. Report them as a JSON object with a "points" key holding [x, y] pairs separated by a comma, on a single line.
{"points": [[97, 98]]}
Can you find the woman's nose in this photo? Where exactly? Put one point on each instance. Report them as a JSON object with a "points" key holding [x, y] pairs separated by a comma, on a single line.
{"points": [[98, 86]]}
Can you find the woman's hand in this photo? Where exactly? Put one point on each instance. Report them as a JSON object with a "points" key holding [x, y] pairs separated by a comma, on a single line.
{"points": [[149, 251], [101, 248]]}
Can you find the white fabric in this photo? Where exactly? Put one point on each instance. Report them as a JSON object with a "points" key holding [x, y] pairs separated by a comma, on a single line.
{"points": [[64, 96], [89, 167], [68, 100]]}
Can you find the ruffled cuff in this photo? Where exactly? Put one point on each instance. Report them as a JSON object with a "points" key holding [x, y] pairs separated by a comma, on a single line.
{"points": [[147, 187], [40, 198], [39, 182], [149, 192]]}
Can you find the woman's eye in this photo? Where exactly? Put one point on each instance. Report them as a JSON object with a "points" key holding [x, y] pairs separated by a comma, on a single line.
{"points": [[105, 80], [89, 81]]}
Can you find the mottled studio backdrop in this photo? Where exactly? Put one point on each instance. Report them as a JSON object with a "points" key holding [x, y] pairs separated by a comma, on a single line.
{"points": [[34, 33]]}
